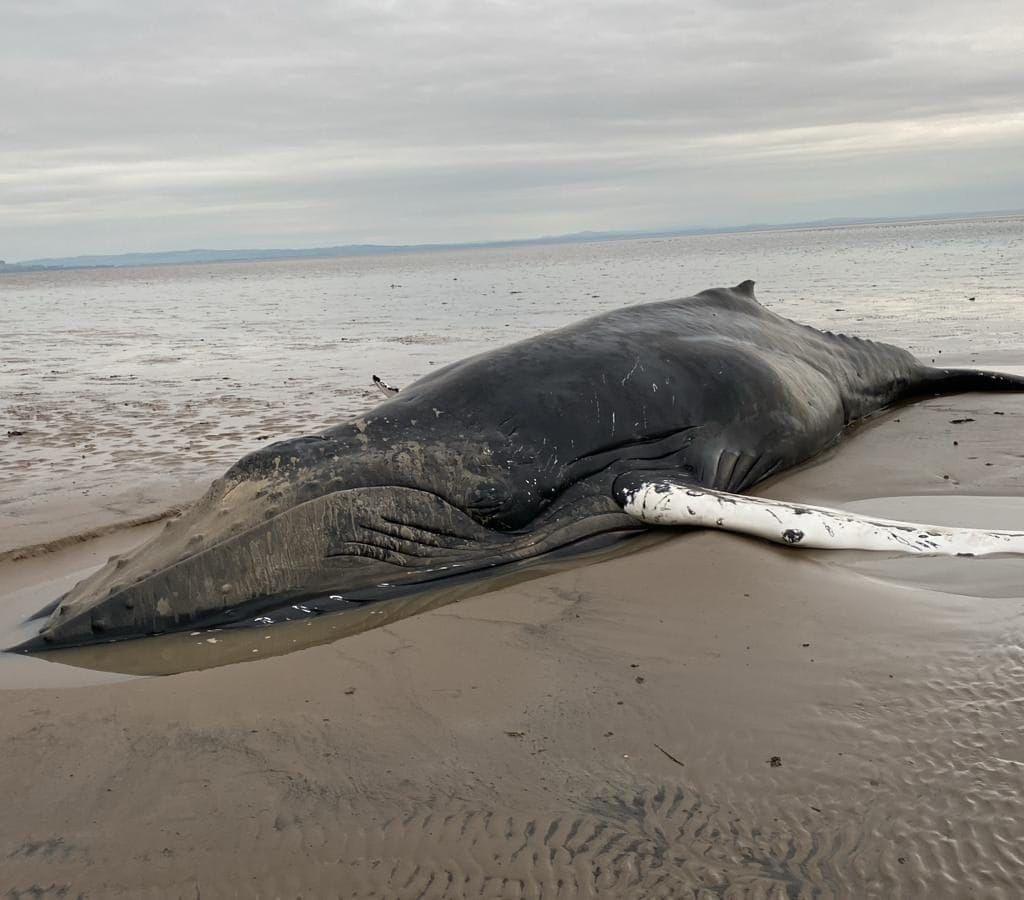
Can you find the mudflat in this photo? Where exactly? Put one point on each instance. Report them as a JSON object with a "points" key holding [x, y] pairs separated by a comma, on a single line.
{"points": [[706, 715]]}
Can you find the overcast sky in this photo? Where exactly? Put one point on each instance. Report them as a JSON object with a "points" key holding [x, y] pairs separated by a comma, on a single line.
{"points": [[144, 125]]}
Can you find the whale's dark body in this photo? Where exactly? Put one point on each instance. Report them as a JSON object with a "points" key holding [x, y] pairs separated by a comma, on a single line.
{"points": [[505, 456]]}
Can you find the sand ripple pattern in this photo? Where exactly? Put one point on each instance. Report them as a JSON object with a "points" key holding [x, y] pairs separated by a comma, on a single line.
{"points": [[906, 784], [938, 814], [665, 843]]}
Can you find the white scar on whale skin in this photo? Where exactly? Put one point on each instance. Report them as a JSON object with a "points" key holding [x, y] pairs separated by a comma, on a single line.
{"points": [[800, 525]]}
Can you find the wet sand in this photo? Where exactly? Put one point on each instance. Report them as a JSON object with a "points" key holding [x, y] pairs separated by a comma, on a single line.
{"points": [[708, 716]]}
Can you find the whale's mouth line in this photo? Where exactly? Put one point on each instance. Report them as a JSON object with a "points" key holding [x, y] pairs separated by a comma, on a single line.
{"points": [[372, 550], [314, 531], [268, 611], [214, 570], [320, 603]]}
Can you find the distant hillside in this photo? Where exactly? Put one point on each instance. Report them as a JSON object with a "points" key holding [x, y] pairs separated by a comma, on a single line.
{"points": [[183, 257]]}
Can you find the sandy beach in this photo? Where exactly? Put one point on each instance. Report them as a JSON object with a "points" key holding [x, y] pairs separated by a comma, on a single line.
{"points": [[705, 716]]}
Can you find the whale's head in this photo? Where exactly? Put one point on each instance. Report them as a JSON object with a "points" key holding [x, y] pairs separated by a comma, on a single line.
{"points": [[324, 515]]}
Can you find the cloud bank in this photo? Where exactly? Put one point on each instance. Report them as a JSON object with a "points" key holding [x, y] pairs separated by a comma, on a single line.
{"points": [[143, 125]]}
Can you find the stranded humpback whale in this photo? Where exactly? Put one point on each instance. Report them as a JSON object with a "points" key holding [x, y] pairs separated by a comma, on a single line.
{"points": [[650, 414]]}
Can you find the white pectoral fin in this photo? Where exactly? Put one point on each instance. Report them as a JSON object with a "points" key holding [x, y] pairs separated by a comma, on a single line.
{"points": [[664, 501]]}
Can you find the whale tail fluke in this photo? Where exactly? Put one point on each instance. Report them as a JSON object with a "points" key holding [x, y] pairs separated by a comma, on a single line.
{"points": [[963, 381]]}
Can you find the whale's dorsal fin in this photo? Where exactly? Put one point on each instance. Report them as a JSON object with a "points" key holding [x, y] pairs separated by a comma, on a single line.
{"points": [[746, 288], [672, 500]]}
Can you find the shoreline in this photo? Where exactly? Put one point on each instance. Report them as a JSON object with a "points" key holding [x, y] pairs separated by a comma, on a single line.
{"points": [[205, 257]]}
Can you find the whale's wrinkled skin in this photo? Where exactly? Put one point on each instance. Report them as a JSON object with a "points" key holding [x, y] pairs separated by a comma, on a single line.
{"points": [[506, 456]]}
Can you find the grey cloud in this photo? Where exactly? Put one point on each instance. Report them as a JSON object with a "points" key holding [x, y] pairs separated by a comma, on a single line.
{"points": [[267, 123]]}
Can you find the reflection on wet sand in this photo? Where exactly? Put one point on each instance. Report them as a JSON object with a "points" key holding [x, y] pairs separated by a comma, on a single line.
{"points": [[296, 628]]}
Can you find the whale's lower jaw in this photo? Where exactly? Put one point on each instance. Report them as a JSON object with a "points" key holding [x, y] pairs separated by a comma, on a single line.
{"points": [[344, 542]]}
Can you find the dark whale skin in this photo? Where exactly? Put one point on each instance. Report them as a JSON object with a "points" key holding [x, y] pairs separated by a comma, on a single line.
{"points": [[505, 456]]}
